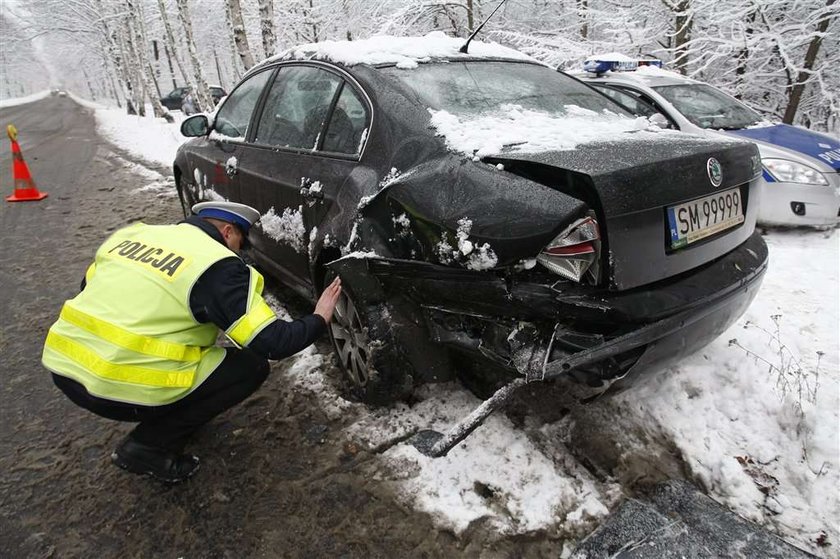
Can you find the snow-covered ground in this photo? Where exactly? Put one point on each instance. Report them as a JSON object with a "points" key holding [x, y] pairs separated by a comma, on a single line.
{"points": [[149, 138], [23, 100], [753, 417]]}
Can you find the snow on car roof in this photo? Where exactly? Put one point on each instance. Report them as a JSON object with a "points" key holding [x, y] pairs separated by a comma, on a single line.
{"points": [[612, 56], [405, 52], [652, 74]]}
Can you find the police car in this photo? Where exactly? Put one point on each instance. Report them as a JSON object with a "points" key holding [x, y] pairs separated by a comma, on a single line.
{"points": [[801, 167]]}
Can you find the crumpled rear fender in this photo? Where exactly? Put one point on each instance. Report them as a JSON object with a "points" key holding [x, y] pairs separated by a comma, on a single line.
{"points": [[515, 216]]}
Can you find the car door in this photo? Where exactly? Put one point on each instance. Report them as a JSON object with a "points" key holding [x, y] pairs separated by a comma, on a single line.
{"points": [[215, 161], [305, 145]]}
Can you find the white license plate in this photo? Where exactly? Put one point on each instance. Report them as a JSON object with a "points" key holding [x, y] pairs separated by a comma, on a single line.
{"points": [[705, 216]]}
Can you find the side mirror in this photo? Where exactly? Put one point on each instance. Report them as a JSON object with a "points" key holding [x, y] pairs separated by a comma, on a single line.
{"points": [[659, 120], [196, 125]]}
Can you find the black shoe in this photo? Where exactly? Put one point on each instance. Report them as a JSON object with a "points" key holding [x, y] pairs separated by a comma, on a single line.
{"points": [[159, 463]]}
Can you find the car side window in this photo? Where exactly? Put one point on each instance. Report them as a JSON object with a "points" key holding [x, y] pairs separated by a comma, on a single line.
{"points": [[347, 125], [234, 116], [628, 100], [296, 107]]}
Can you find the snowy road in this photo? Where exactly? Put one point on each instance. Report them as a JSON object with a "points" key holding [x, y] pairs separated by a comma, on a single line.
{"points": [[299, 471]]}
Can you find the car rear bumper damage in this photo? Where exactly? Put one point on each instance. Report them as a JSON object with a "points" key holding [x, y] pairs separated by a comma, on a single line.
{"points": [[543, 331]]}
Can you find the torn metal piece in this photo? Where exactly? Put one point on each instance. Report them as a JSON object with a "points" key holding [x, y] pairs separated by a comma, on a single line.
{"points": [[435, 444]]}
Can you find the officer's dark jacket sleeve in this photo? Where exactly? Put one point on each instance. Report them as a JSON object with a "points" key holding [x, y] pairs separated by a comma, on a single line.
{"points": [[221, 294]]}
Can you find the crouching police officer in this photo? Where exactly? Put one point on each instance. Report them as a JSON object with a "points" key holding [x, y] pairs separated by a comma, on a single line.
{"points": [[137, 344]]}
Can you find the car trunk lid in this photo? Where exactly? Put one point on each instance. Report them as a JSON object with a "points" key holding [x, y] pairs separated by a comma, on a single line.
{"points": [[631, 184]]}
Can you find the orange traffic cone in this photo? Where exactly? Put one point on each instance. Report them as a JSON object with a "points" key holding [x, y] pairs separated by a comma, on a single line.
{"points": [[25, 189]]}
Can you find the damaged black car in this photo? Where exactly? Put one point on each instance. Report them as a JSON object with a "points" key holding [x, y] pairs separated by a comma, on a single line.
{"points": [[488, 216]]}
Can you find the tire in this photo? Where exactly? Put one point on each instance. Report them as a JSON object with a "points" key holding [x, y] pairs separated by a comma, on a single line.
{"points": [[185, 196], [367, 352]]}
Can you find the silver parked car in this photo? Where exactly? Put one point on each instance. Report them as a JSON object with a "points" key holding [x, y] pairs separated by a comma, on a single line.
{"points": [[801, 167]]}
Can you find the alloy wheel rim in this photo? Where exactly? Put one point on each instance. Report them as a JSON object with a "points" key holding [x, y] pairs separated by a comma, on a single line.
{"points": [[351, 340]]}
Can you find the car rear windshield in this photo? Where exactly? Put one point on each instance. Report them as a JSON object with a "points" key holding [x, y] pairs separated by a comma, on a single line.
{"points": [[476, 87], [707, 107]]}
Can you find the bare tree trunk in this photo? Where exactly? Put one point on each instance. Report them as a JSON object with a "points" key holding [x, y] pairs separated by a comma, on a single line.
{"points": [[113, 46], [810, 58], [239, 36], [346, 10], [314, 23], [173, 49], [201, 92], [234, 57], [135, 105], [683, 22], [743, 56], [583, 15], [131, 63], [155, 82], [90, 87], [114, 88], [143, 67], [269, 39], [171, 69], [470, 18], [136, 13], [218, 68]]}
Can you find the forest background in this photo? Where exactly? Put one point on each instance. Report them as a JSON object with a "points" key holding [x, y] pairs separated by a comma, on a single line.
{"points": [[775, 55]]}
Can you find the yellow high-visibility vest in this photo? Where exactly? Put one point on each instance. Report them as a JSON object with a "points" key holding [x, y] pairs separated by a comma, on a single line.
{"points": [[130, 335]]}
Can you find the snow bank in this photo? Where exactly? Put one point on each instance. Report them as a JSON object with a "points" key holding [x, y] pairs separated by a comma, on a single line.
{"points": [[85, 102], [756, 419], [405, 52], [13, 102], [149, 138]]}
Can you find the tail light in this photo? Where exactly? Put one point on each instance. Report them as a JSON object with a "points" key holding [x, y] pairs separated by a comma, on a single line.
{"points": [[576, 252]]}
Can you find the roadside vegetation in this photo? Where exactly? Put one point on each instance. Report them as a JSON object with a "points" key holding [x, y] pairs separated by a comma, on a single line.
{"points": [[775, 55]]}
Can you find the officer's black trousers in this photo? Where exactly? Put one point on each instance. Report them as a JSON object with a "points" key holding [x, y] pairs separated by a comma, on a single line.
{"points": [[238, 376]]}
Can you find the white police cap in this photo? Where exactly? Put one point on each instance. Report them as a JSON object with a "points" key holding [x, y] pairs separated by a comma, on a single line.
{"points": [[232, 212]]}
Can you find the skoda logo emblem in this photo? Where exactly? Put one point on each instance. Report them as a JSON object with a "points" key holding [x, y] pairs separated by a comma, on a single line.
{"points": [[715, 171]]}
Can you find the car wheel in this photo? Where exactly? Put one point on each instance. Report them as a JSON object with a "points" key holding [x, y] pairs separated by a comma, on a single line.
{"points": [[366, 351], [352, 343], [186, 197]]}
